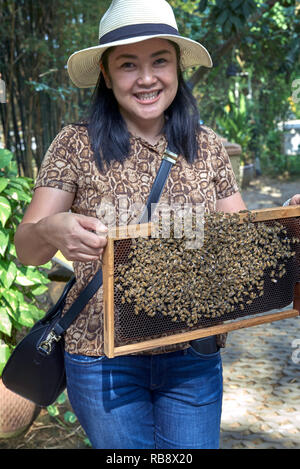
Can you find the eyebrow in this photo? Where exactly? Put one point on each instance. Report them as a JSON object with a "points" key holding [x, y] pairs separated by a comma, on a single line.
{"points": [[132, 56]]}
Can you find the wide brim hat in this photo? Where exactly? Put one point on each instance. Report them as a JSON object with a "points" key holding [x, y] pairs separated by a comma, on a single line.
{"points": [[128, 22]]}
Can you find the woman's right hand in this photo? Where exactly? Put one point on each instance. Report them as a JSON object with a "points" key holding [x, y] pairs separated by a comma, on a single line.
{"points": [[78, 237], [49, 226]]}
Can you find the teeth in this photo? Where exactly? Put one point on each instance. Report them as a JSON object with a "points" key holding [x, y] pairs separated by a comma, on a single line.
{"points": [[147, 96]]}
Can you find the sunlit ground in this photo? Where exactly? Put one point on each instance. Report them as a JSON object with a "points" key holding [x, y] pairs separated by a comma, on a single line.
{"points": [[266, 192], [261, 404]]}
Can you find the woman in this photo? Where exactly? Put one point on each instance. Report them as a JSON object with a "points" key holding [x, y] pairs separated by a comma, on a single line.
{"points": [[169, 397]]}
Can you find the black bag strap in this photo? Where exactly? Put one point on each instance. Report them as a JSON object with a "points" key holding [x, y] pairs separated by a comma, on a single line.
{"points": [[168, 160]]}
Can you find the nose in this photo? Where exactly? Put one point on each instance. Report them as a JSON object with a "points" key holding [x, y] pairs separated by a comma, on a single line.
{"points": [[147, 76]]}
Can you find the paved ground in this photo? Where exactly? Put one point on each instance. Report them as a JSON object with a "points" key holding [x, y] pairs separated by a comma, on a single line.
{"points": [[261, 365]]}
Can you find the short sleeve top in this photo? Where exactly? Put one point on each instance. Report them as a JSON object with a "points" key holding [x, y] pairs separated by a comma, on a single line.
{"points": [[69, 165]]}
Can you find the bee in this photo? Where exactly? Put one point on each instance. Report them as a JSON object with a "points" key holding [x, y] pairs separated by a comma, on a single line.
{"points": [[151, 314]]}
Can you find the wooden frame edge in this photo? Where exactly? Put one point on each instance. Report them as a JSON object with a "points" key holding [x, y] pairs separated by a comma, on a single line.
{"points": [[108, 298], [145, 229]]}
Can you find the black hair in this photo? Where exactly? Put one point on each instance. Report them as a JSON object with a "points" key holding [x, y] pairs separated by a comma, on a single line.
{"points": [[109, 136]]}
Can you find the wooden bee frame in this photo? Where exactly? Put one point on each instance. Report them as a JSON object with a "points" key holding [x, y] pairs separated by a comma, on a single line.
{"points": [[144, 230]]}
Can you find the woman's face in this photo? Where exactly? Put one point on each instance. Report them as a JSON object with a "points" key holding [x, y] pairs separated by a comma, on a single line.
{"points": [[143, 78]]}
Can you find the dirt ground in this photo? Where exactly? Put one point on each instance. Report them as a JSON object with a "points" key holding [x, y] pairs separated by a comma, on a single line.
{"points": [[264, 192], [52, 432], [49, 432]]}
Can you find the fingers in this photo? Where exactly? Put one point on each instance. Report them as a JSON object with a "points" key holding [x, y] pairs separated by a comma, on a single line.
{"points": [[94, 240], [91, 240], [78, 251], [82, 243], [93, 224], [295, 200], [81, 256]]}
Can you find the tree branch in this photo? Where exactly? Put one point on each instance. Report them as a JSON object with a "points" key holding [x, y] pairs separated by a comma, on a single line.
{"points": [[220, 54]]}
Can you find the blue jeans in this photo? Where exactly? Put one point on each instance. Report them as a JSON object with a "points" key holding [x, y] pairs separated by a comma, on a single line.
{"points": [[164, 401]]}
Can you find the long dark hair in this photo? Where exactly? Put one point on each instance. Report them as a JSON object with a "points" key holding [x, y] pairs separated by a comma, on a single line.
{"points": [[108, 132]]}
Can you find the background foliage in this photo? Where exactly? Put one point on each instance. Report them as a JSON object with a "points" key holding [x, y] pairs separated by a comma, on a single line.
{"points": [[20, 286], [254, 45]]}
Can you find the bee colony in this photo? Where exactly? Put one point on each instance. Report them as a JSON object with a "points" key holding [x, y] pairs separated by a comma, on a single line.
{"points": [[156, 291]]}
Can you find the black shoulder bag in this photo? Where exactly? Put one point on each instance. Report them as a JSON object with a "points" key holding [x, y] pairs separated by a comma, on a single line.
{"points": [[36, 370]]}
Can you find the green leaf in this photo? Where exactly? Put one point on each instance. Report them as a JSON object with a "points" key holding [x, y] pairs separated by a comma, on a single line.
{"points": [[61, 398], [17, 194], [231, 97], [36, 313], [202, 5], [5, 157], [2, 272], [236, 3], [12, 314], [10, 274], [40, 290], [222, 17], [12, 299], [35, 276], [29, 276], [4, 355], [237, 22], [242, 109], [227, 26], [53, 410], [25, 315], [4, 239], [12, 250], [3, 183], [87, 442], [23, 280], [29, 314], [11, 192], [21, 182], [5, 322], [70, 417], [247, 9], [5, 210]]}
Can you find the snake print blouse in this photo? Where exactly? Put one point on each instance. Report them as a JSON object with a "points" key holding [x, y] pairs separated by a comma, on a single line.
{"points": [[69, 165]]}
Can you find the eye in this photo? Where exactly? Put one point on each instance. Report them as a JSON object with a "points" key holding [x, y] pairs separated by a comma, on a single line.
{"points": [[127, 65], [160, 61]]}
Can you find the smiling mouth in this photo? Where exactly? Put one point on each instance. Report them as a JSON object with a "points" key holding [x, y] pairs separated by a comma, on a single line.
{"points": [[148, 97]]}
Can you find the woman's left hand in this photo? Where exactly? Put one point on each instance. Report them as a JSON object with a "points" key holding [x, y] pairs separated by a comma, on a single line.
{"points": [[295, 200]]}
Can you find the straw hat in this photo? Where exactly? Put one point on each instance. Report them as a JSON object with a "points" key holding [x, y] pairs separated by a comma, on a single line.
{"points": [[127, 22]]}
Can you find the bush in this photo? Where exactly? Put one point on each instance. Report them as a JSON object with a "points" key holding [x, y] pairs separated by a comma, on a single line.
{"points": [[19, 285], [273, 161]]}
